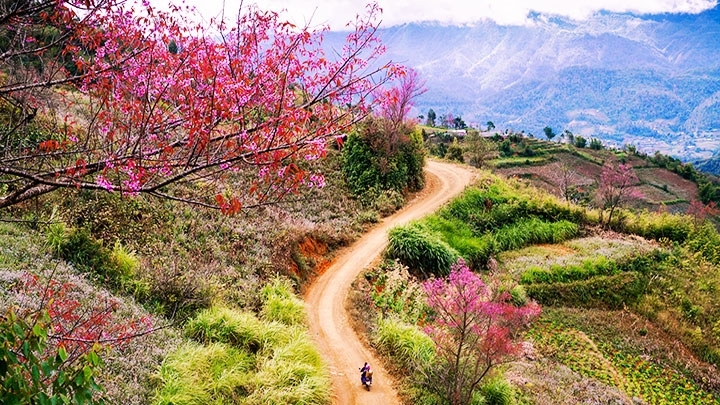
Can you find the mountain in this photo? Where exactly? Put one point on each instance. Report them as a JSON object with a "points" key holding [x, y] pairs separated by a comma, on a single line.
{"points": [[711, 165], [649, 81]]}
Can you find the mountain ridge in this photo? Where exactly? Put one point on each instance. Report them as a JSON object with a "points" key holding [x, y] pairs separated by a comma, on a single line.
{"points": [[653, 82]]}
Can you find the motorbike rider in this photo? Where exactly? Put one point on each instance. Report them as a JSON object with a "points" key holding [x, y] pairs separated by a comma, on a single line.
{"points": [[365, 374]]}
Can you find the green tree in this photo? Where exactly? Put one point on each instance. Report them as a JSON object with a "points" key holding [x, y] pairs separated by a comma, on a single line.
{"points": [[431, 116], [372, 165], [490, 126], [549, 133], [479, 148], [455, 152], [580, 142], [595, 144]]}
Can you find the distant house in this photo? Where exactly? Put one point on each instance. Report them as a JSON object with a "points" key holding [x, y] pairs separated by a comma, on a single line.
{"points": [[457, 133]]}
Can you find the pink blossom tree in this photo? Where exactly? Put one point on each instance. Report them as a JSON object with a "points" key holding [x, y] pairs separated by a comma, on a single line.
{"points": [[474, 329], [152, 100], [617, 188]]}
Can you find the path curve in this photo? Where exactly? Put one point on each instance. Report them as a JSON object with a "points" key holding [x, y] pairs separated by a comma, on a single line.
{"points": [[330, 327]]}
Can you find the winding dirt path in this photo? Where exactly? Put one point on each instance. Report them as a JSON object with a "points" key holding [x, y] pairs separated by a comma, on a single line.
{"points": [[340, 347]]}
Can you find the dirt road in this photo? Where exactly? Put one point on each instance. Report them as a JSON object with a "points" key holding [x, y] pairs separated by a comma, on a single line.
{"points": [[325, 299]]}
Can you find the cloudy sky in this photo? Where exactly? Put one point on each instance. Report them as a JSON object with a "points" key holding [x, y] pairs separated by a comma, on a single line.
{"points": [[338, 12]]}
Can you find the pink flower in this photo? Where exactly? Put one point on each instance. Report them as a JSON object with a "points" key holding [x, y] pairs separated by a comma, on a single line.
{"points": [[104, 183]]}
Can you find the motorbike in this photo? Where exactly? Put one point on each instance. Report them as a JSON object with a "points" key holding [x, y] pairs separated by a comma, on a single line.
{"points": [[366, 379]]}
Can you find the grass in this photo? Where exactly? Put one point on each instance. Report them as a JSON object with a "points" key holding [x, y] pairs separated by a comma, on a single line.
{"points": [[518, 161], [404, 342], [236, 357]]}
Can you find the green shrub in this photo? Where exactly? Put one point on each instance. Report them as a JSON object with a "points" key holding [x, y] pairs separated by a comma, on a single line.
{"points": [[87, 254], [676, 228], [422, 251], [519, 295], [455, 152], [388, 202], [395, 292], [370, 163], [30, 373], [706, 241]]}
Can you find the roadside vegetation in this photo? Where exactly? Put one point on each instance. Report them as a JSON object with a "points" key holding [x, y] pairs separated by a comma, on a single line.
{"points": [[629, 314]]}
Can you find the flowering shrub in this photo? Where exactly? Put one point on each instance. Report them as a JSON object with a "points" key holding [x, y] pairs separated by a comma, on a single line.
{"points": [[474, 329]]}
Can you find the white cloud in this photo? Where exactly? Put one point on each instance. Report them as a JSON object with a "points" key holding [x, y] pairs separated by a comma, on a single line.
{"points": [[338, 12]]}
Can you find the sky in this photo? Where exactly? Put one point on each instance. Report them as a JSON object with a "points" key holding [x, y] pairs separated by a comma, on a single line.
{"points": [[337, 13]]}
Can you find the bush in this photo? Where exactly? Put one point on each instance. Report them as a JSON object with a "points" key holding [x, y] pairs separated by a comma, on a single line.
{"points": [[706, 241], [422, 251], [32, 372], [455, 152]]}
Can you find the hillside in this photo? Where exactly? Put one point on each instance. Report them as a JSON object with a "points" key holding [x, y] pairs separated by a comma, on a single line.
{"points": [[190, 263], [622, 307], [711, 165]]}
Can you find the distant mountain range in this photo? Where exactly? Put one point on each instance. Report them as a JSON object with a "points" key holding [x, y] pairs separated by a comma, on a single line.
{"points": [[653, 82]]}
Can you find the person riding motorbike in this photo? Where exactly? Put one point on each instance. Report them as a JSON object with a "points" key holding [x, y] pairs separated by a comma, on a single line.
{"points": [[366, 376]]}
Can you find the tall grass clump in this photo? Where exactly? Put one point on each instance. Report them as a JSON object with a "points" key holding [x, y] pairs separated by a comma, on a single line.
{"points": [[278, 363], [674, 227], [216, 373], [598, 266], [293, 375], [495, 391], [406, 344], [532, 231], [281, 304], [421, 250], [236, 328], [458, 234]]}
